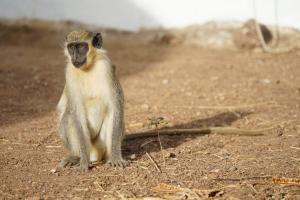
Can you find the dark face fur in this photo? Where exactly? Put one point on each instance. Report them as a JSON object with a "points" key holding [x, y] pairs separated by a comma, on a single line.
{"points": [[78, 52]]}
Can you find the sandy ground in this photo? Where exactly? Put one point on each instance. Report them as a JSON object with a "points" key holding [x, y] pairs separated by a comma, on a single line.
{"points": [[188, 85]]}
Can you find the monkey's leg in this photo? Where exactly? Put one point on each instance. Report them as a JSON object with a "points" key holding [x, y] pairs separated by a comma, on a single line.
{"points": [[113, 139], [83, 144], [72, 136], [67, 131]]}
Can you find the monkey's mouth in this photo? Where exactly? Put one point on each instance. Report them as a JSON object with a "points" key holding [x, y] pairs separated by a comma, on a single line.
{"points": [[78, 64]]}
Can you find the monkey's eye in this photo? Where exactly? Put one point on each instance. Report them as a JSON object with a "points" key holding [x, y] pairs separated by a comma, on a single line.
{"points": [[71, 47], [82, 47]]}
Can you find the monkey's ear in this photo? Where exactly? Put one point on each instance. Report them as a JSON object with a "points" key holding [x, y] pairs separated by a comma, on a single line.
{"points": [[97, 40]]}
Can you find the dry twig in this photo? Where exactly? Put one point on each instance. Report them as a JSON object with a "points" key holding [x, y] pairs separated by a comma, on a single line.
{"points": [[154, 163], [200, 131], [297, 148], [286, 181], [272, 104], [164, 189], [51, 147], [243, 179]]}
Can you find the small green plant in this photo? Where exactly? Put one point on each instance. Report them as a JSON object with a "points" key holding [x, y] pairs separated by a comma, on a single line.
{"points": [[157, 121]]}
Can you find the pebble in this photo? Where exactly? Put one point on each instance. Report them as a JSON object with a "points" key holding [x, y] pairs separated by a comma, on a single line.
{"points": [[233, 168], [33, 198], [53, 170], [171, 155], [165, 81], [136, 125], [215, 170], [145, 106], [133, 156], [266, 81]]}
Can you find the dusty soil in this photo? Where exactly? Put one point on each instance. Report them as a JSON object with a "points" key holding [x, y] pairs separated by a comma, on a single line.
{"points": [[187, 85]]}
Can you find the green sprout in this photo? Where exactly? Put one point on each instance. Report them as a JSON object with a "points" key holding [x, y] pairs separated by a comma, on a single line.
{"points": [[157, 121]]}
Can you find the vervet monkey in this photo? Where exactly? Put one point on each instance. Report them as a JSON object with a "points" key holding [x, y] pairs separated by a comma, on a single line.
{"points": [[91, 107]]}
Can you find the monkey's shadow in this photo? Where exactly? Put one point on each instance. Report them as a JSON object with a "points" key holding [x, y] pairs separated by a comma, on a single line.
{"points": [[140, 146]]}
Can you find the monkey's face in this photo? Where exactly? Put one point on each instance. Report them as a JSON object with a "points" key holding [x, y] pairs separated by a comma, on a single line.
{"points": [[78, 52], [81, 48]]}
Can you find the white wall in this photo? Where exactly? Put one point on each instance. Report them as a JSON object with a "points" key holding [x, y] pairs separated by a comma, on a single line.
{"points": [[134, 14]]}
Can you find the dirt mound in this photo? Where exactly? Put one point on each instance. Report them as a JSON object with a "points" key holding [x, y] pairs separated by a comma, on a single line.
{"points": [[230, 35], [246, 37]]}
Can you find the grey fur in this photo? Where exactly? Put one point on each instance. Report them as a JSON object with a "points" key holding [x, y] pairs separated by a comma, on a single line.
{"points": [[115, 159]]}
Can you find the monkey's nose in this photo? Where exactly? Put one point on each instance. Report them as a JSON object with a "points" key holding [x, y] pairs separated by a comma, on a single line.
{"points": [[77, 64]]}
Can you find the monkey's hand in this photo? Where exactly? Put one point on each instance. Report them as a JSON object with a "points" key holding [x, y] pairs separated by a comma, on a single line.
{"points": [[75, 161], [84, 165], [70, 161], [117, 162]]}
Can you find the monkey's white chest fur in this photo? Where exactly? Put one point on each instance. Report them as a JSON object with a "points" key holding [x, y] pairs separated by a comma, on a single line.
{"points": [[94, 87]]}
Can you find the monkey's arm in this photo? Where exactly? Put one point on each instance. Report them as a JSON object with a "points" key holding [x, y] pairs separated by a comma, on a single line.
{"points": [[115, 136], [199, 131], [78, 118], [116, 126], [62, 104]]}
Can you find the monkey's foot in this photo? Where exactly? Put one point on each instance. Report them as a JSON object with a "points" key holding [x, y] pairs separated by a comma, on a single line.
{"points": [[70, 161], [120, 162], [83, 166]]}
